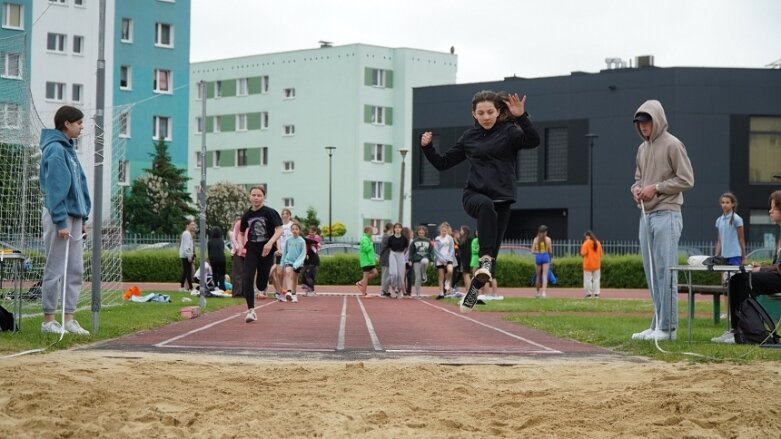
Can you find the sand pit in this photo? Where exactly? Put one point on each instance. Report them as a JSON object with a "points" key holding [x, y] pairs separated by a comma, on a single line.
{"points": [[128, 394]]}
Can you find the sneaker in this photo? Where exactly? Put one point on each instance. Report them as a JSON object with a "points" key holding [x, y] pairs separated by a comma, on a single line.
{"points": [[440, 296], [485, 272], [596, 296], [588, 295], [728, 337], [52, 327], [280, 297], [661, 335], [385, 294], [294, 298], [73, 327], [250, 317], [469, 300], [182, 290], [195, 292], [642, 335], [288, 297]]}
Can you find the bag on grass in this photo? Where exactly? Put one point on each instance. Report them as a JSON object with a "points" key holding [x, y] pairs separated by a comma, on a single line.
{"points": [[6, 320], [754, 326]]}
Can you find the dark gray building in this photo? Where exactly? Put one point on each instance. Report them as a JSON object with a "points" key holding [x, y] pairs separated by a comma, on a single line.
{"points": [[729, 120]]}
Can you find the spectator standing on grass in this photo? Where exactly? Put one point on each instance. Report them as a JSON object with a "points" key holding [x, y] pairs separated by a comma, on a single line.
{"points": [[187, 256], [237, 253], [663, 172], [216, 247], [67, 205], [730, 241], [591, 250]]}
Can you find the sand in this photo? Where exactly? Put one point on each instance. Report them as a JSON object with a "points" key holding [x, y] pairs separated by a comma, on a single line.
{"points": [[87, 393]]}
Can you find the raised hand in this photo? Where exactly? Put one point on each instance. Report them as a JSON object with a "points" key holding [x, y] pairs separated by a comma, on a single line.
{"points": [[516, 105], [425, 139]]}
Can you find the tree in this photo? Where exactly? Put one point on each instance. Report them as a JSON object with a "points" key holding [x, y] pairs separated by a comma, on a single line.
{"points": [[225, 201], [158, 201], [310, 220], [339, 230]]}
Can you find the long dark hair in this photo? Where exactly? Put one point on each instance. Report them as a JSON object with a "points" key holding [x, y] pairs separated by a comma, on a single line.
{"points": [[498, 98], [734, 200], [590, 235]]}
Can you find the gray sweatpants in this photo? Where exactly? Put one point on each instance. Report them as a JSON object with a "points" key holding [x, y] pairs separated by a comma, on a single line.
{"points": [[51, 287]]}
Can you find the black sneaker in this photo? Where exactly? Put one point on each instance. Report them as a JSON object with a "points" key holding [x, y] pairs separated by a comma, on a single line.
{"points": [[385, 294], [470, 298], [486, 270], [440, 296]]}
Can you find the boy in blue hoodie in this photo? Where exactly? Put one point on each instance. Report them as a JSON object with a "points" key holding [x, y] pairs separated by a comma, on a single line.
{"points": [[66, 208]]}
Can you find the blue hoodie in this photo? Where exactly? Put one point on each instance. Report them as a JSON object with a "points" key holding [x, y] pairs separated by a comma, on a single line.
{"points": [[63, 183]]}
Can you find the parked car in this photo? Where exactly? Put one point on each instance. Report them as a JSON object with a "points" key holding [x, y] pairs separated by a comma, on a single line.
{"points": [[761, 254], [339, 248], [515, 250]]}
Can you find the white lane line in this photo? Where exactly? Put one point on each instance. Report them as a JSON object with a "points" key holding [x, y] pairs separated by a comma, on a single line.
{"points": [[369, 327], [470, 352], [247, 349], [499, 330], [203, 328], [342, 325]]}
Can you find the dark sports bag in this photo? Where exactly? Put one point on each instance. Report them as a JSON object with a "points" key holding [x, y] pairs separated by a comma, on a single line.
{"points": [[6, 320], [754, 326]]}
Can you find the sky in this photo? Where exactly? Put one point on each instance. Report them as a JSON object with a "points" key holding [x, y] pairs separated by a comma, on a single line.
{"points": [[498, 38]]}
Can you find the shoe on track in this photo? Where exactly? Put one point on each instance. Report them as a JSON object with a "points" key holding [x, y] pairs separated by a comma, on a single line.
{"points": [[294, 298], [470, 298], [250, 317]]}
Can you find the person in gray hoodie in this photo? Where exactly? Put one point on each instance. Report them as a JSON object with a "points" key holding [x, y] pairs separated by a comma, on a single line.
{"points": [[662, 173], [67, 205]]}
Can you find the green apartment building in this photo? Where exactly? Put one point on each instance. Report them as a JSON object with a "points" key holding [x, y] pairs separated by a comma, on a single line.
{"points": [[269, 119]]}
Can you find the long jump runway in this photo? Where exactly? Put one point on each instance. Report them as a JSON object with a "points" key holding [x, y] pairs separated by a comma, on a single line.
{"points": [[352, 327]]}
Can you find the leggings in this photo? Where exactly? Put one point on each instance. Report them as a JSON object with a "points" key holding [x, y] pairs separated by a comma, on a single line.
{"points": [[255, 263], [187, 273], [492, 219]]}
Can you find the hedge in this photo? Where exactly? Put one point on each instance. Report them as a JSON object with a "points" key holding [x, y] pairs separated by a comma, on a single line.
{"points": [[513, 271]]}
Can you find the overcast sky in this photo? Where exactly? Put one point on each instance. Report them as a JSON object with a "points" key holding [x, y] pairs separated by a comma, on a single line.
{"points": [[498, 38]]}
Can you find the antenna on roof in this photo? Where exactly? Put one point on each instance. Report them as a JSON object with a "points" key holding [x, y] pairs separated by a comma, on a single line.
{"points": [[325, 44]]}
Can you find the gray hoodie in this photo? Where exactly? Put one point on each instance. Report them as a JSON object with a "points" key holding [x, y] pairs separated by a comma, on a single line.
{"points": [[662, 160]]}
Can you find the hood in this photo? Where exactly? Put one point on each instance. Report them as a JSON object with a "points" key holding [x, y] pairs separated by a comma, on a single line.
{"points": [[656, 111], [49, 136]]}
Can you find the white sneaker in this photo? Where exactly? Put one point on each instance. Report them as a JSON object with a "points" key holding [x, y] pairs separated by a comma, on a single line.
{"points": [[642, 335], [73, 327], [662, 335], [250, 317], [52, 327], [288, 297], [728, 338], [279, 296], [182, 290], [294, 298], [195, 292]]}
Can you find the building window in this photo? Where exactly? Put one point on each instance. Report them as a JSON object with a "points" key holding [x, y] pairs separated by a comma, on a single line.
{"points": [[289, 130], [378, 153], [217, 124], [242, 87], [264, 156], [126, 31], [12, 65], [216, 161], [198, 125], [78, 2], [378, 115], [289, 166], [163, 81], [377, 225], [123, 174], [289, 203], [217, 89], [124, 124], [556, 141], [125, 78], [241, 157], [55, 42], [55, 91], [77, 92], [62, 2], [377, 190], [164, 35], [198, 159], [162, 126], [264, 84], [378, 78], [290, 93], [527, 165], [264, 120], [241, 122], [78, 45], [13, 16], [10, 115], [429, 176], [764, 149]]}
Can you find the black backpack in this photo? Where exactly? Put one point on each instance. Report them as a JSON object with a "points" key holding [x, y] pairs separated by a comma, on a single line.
{"points": [[6, 320], [754, 326]]}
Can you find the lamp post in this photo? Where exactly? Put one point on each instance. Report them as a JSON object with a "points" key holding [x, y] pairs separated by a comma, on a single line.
{"points": [[403, 152], [330, 150], [591, 137]]}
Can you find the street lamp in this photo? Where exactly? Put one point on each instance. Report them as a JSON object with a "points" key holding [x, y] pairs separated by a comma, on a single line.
{"points": [[330, 150], [591, 137], [403, 152]]}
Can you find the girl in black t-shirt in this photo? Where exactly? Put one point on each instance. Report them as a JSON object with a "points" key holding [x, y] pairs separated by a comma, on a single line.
{"points": [[262, 226]]}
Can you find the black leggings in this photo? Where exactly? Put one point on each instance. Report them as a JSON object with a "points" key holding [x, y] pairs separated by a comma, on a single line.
{"points": [[187, 273], [739, 290], [218, 270], [492, 219], [254, 262]]}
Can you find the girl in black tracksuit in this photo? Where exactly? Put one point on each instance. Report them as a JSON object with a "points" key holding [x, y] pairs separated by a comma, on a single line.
{"points": [[502, 128]]}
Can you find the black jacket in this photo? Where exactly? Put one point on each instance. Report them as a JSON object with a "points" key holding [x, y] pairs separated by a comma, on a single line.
{"points": [[492, 156]]}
